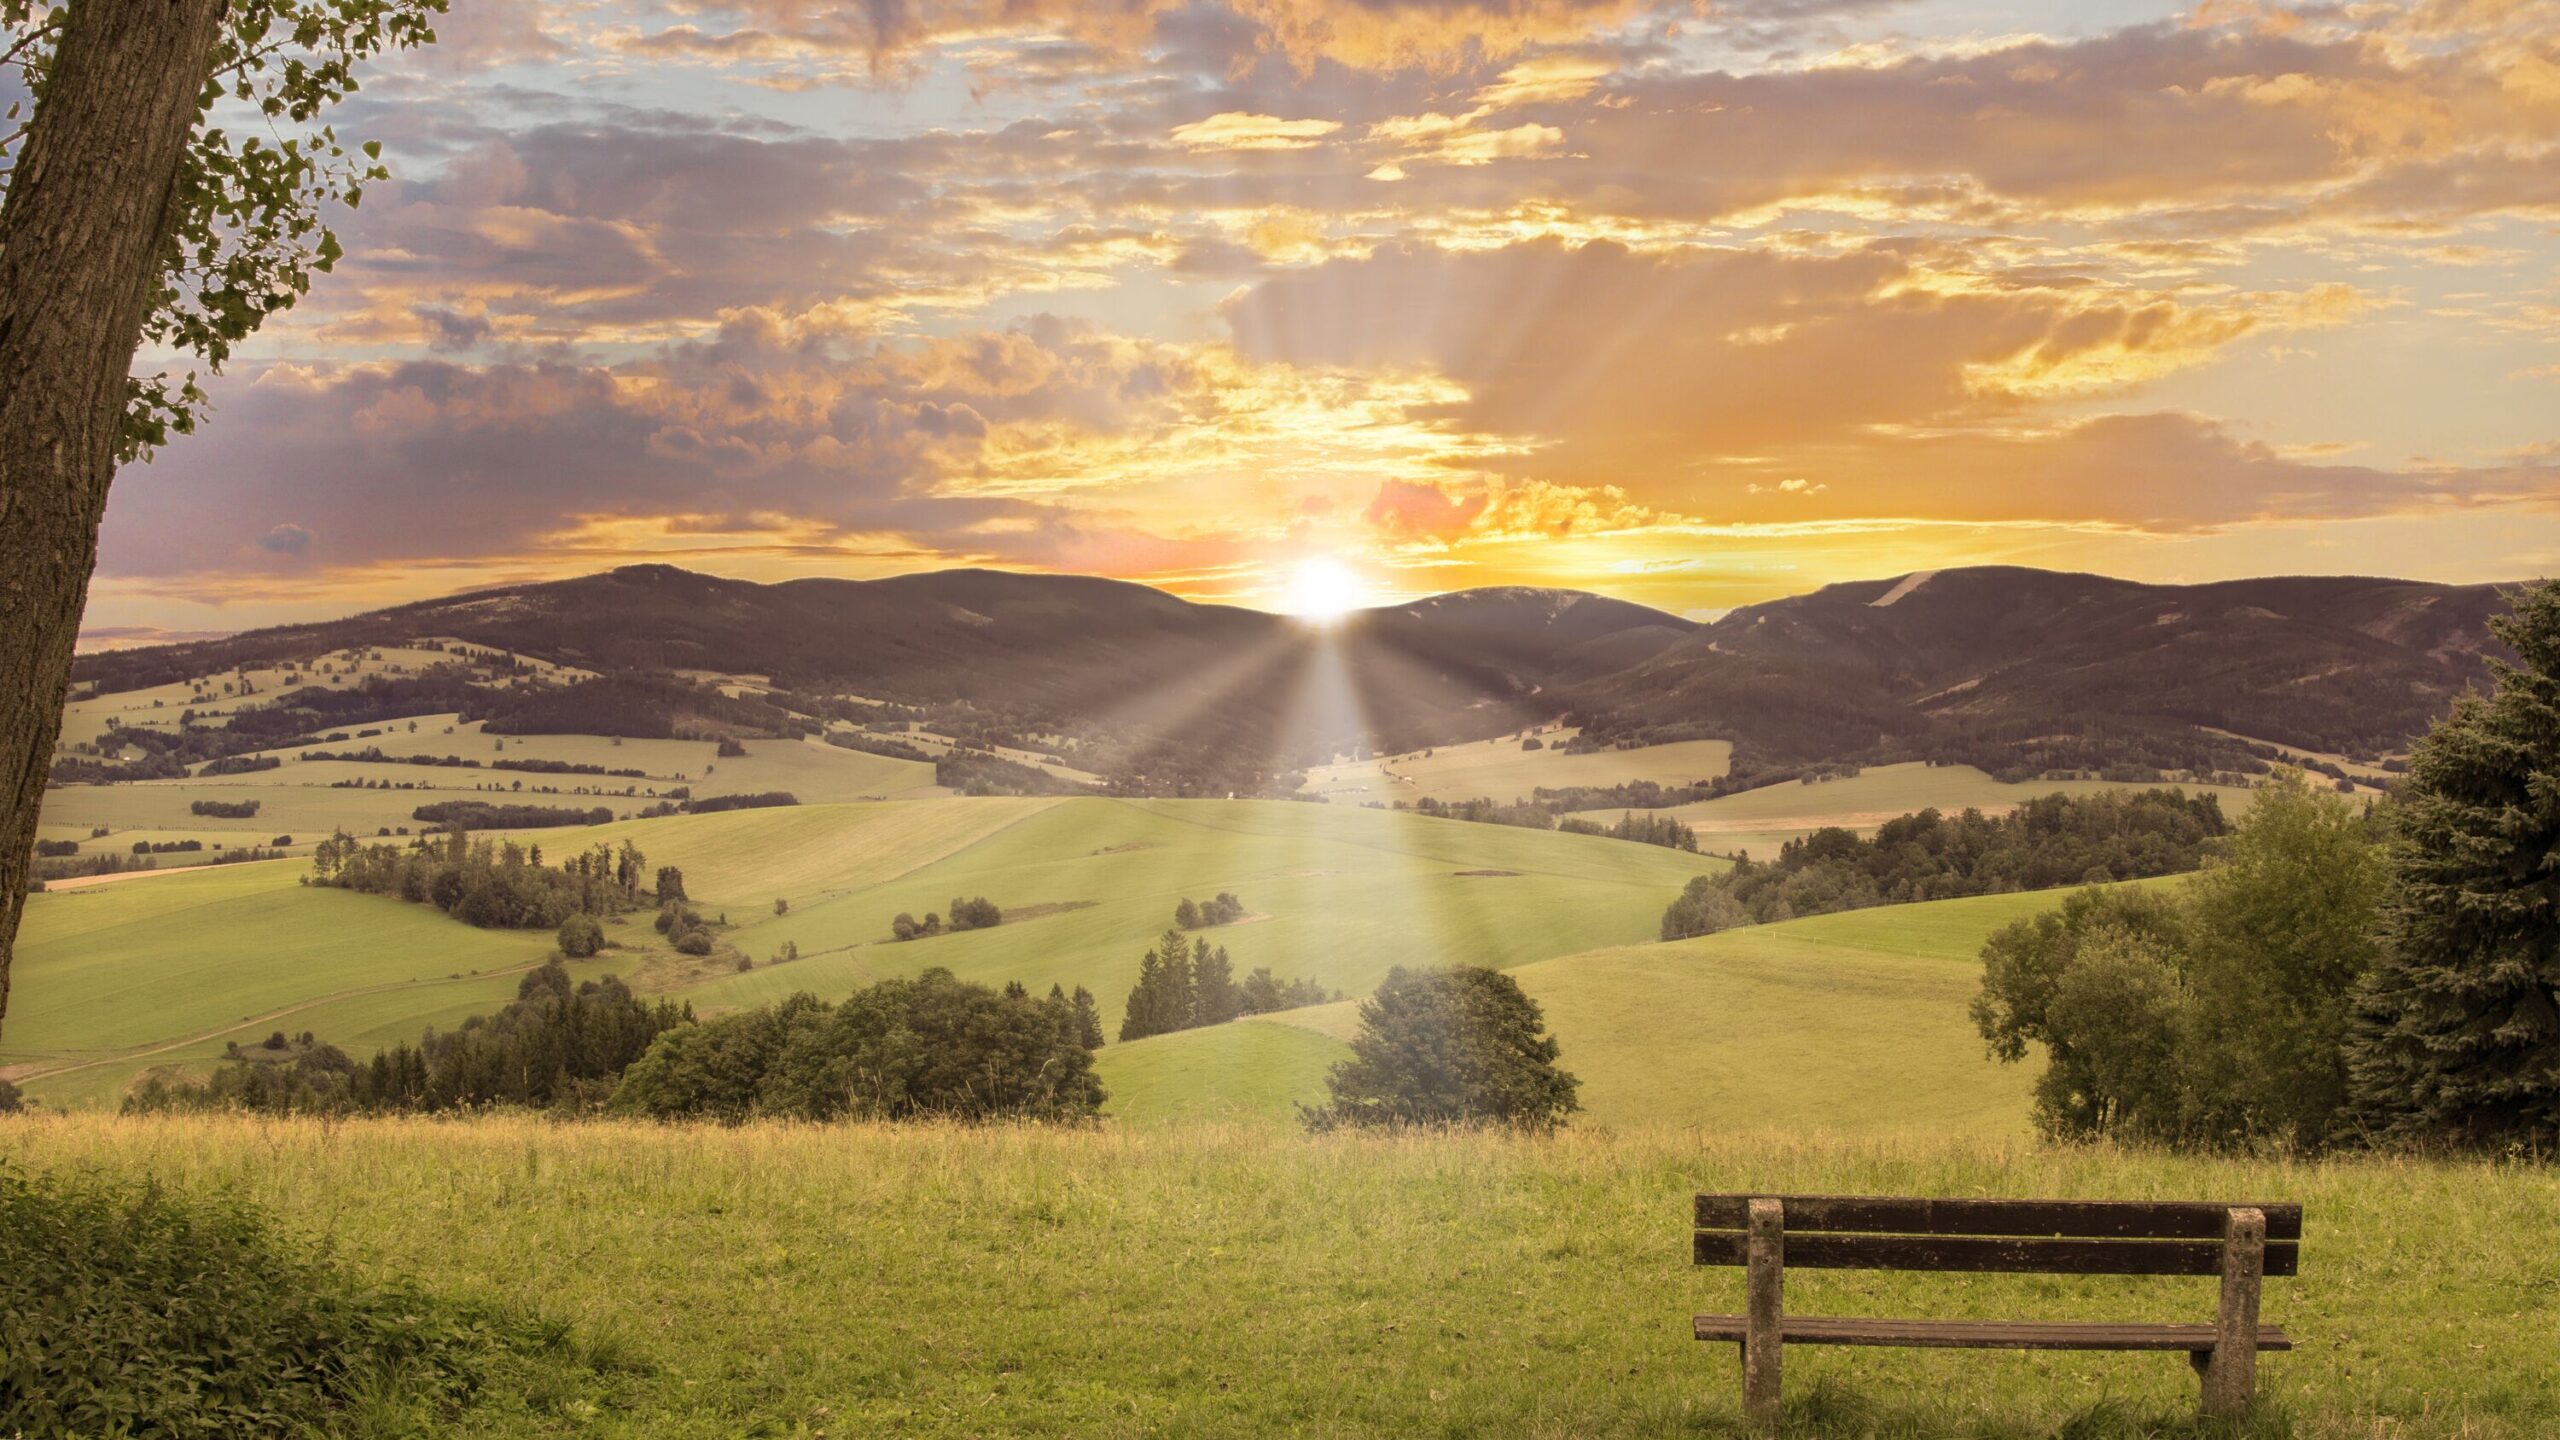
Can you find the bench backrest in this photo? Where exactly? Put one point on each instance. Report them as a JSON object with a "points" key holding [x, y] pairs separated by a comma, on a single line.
{"points": [[2046, 1237]]}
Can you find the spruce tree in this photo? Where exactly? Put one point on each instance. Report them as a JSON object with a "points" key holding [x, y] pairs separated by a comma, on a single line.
{"points": [[1461, 1046], [1214, 999], [1088, 1019], [2458, 1025]]}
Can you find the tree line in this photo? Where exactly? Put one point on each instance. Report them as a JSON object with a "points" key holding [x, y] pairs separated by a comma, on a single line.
{"points": [[1664, 830], [2051, 841], [557, 1046]]}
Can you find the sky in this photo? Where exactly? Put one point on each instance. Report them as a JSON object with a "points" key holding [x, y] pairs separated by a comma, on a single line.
{"points": [[1694, 304]]}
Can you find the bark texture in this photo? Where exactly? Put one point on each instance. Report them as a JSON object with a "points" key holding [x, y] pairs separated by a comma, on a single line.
{"points": [[84, 233]]}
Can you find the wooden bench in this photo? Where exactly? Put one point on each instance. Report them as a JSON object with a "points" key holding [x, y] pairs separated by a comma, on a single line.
{"points": [[1769, 1233]]}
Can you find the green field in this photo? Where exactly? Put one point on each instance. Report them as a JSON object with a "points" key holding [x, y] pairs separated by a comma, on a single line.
{"points": [[1852, 1024], [301, 798], [1501, 770], [1336, 893], [1757, 822], [1241, 1279]]}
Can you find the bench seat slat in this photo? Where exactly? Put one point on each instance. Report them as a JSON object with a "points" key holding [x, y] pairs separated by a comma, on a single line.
{"points": [[1984, 1334], [1922, 1215], [2025, 1255]]}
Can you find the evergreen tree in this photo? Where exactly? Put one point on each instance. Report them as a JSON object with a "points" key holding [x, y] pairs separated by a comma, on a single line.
{"points": [[1088, 1018], [1186, 916], [1214, 998], [1458, 1046], [2458, 1025]]}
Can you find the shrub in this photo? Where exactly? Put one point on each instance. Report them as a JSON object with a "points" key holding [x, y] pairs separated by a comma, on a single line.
{"points": [[136, 1309], [12, 1100], [581, 936], [1460, 1046], [694, 942]]}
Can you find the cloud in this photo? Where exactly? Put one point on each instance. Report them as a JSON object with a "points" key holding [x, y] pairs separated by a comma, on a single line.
{"points": [[286, 540], [1235, 130]]}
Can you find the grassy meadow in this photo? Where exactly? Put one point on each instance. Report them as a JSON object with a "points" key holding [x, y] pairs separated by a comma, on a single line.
{"points": [[1230, 1279], [119, 978]]}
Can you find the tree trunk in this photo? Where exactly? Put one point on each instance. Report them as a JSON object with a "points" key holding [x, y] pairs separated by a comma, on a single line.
{"points": [[84, 232]]}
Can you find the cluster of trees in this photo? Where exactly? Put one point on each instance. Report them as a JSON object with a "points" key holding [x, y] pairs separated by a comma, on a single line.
{"points": [[224, 809], [975, 772], [47, 849], [503, 885], [1633, 795], [481, 815], [870, 744], [933, 1047], [760, 800], [2334, 975], [1222, 909], [683, 926], [2047, 842], [2214, 1014], [555, 1047], [1452, 1047], [980, 913], [1184, 983], [239, 765], [1667, 831]]}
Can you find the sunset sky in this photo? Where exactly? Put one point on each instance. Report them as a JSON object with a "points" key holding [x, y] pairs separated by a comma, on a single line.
{"points": [[1691, 304]]}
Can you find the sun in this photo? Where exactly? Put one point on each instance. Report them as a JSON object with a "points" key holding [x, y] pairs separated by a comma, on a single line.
{"points": [[1323, 590]]}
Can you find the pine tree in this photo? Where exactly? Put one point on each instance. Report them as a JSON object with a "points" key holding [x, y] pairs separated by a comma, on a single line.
{"points": [[1088, 1019], [1449, 1047], [2458, 1026], [1214, 998], [1138, 1018]]}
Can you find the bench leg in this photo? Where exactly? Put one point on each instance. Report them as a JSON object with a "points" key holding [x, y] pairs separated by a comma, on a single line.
{"points": [[2230, 1370], [1761, 1343]]}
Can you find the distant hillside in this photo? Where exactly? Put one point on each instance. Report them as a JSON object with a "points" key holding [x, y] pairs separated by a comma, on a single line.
{"points": [[2017, 671], [2025, 670]]}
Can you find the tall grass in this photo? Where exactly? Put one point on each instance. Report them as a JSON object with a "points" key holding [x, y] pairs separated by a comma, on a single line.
{"points": [[1231, 1279]]}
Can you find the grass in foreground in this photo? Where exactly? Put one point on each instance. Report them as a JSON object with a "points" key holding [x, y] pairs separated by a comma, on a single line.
{"points": [[1238, 1280]]}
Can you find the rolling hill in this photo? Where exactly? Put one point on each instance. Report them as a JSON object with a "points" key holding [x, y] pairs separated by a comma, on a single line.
{"points": [[2019, 672], [117, 978]]}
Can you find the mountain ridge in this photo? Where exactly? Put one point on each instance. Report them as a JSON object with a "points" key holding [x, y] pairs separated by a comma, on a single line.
{"points": [[2024, 669]]}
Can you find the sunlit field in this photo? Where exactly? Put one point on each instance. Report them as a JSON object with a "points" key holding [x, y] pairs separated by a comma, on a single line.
{"points": [[118, 978], [1757, 822], [1231, 1279], [1502, 771]]}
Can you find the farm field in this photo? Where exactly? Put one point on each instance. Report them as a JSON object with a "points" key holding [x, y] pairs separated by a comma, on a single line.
{"points": [[302, 798], [1500, 770], [1246, 1279], [1757, 822], [1336, 893]]}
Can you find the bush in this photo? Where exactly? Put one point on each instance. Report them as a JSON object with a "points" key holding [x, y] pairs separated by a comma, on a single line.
{"points": [[136, 1309], [694, 942], [12, 1100], [581, 936], [1460, 1046]]}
